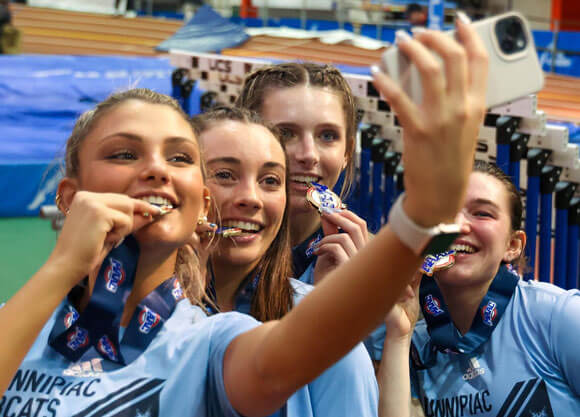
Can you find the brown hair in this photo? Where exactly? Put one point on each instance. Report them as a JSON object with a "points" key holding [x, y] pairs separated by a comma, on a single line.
{"points": [[292, 74], [273, 297], [514, 200], [187, 264]]}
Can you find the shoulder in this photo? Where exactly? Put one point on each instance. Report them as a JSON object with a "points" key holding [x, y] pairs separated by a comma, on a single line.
{"points": [[541, 300], [300, 288]]}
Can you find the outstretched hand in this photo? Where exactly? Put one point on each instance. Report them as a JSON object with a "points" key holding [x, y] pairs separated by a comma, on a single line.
{"points": [[439, 133]]}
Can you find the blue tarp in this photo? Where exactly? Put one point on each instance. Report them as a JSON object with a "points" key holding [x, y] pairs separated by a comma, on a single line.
{"points": [[40, 98], [207, 31]]}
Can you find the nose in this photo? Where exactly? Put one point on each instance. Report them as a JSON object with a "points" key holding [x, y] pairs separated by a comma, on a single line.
{"points": [[156, 170], [247, 196], [306, 152], [463, 221]]}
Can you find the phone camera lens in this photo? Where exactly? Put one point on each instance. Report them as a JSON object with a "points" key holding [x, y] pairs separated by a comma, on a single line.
{"points": [[511, 36], [507, 45], [514, 29]]}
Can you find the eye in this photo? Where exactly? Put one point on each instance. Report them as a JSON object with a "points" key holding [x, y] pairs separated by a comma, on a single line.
{"points": [[272, 181], [123, 155], [222, 175], [182, 158], [286, 133], [482, 213], [329, 135]]}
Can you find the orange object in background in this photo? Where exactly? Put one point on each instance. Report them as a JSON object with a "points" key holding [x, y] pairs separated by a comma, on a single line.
{"points": [[567, 13], [247, 9]]}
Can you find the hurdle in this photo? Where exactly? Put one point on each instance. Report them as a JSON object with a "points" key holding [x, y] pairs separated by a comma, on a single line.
{"points": [[516, 136]]}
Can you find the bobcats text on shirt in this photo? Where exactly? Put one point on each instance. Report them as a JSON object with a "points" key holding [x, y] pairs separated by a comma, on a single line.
{"points": [[179, 374]]}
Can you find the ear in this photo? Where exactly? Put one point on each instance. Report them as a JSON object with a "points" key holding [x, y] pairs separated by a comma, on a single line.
{"points": [[67, 188], [516, 246]]}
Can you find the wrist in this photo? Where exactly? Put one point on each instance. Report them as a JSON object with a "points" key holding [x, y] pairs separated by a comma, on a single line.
{"points": [[66, 274], [420, 239], [426, 216]]}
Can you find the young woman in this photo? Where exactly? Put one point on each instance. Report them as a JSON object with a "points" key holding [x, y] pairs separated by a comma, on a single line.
{"points": [[249, 273], [171, 359], [491, 344], [313, 107]]}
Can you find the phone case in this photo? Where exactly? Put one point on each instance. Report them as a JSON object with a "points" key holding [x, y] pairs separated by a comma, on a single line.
{"points": [[510, 76]]}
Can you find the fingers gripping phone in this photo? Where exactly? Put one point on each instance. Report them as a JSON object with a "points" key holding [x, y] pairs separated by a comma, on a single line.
{"points": [[514, 69]]}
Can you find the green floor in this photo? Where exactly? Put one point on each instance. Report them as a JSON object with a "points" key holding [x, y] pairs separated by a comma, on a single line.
{"points": [[25, 243]]}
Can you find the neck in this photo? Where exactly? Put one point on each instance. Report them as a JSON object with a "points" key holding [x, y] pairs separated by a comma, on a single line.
{"points": [[153, 268], [463, 303], [228, 279], [303, 224]]}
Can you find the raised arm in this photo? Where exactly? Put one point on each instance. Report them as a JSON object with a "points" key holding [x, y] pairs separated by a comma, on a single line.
{"points": [[94, 224], [393, 376], [264, 366]]}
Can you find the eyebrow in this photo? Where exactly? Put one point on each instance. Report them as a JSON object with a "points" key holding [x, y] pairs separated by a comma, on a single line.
{"points": [[236, 161], [137, 138], [324, 125], [485, 201]]}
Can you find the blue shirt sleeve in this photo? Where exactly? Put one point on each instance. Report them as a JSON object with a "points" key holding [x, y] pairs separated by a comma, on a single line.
{"points": [[565, 336], [226, 327], [348, 388]]}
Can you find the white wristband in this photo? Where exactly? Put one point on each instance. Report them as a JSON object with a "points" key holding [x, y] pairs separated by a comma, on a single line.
{"points": [[418, 238]]}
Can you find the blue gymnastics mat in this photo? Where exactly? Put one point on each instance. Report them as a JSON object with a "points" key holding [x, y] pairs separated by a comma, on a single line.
{"points": [[40, 98]]}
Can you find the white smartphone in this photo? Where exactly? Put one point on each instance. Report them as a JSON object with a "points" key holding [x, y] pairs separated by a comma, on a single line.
{"points": [[514, 69]]}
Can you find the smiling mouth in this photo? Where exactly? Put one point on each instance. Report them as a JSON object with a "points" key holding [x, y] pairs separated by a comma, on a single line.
{"points": [[305, 180], [463, 249], [241, 228], [165, 206]]}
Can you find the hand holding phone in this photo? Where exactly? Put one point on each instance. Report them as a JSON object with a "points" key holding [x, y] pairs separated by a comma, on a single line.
{"points": [[514, 70]]}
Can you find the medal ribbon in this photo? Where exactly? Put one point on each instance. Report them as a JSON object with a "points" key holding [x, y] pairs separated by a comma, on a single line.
{"points": [[303, 254], [443, 334], [244, 294], [74, 335]]}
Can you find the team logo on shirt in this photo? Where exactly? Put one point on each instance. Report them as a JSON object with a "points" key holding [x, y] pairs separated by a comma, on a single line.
{"points": [[148, 319], [433, 306], [77, 339], [70, 318], [177, 291], [474, 370], [107, 348], [489, 313], [114, 275]]}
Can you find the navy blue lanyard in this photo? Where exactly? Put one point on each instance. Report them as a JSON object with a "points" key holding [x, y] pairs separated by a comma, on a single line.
{"points": [[244, 294], [444, 336], [74, 335], [303, 253]]}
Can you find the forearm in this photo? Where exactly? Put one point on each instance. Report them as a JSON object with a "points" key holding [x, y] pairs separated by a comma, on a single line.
{"points": [[320, 330], [24, 315], [394, 379]]}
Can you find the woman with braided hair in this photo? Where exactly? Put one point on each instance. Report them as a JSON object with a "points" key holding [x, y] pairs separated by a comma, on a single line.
{"points": [[313, 107]]}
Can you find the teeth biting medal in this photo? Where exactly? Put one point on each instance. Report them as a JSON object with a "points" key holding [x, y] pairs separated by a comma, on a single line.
{"points": [[229, 231], [320, 196], [438, 262]]}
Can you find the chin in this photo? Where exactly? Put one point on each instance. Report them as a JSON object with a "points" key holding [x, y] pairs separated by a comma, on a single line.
{"points": [[153, 237], [299, 204]]}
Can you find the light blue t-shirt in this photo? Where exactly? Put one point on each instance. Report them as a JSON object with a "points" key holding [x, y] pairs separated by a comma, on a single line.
{"points": [[348, 388], [530, 366], [179, 374]]}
